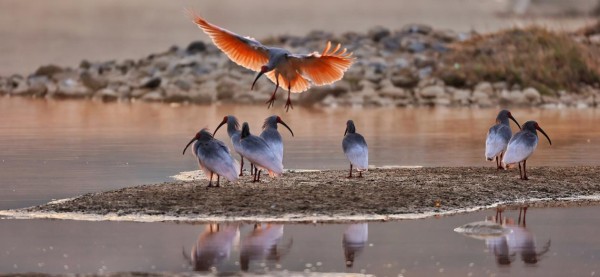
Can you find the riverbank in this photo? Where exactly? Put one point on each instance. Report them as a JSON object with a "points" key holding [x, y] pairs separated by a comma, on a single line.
{"points": [[321, 196], [415, 65]]}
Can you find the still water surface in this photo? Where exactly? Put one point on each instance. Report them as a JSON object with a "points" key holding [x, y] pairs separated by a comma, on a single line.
{"points": [[554, 242], [58, 149]]}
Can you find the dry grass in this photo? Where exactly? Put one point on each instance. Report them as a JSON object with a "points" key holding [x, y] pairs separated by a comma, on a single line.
{"points": [[531, 57]]}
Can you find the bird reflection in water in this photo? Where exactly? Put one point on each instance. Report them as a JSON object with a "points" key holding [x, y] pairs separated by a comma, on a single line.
{"points": [[213, 246], [262, 244], [354, 241], [518, 240]]}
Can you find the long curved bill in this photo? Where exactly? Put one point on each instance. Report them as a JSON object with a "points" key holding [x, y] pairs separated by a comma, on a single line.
{"points": [[188, 145], [257, 76], [513, 119], [222, 123], [540, 129], [283, 123], [346, 132]]}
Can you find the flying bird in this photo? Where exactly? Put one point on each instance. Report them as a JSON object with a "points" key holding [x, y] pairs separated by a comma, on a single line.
{"points": [[213, 157], [498, 137], [355, 148], [272, 136], [522, 145], [258, 152], [294, 72]]}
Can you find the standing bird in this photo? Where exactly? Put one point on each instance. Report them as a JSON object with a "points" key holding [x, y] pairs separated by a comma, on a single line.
{"points": [[290, 71], [498, 137], [522, 145], [213, 157], [355, 148], [272, 136], [258, 152], [233, 130]]}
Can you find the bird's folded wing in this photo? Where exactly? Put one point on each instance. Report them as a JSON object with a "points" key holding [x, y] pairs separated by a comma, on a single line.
{"points": [[244, 51], [324, 68]]}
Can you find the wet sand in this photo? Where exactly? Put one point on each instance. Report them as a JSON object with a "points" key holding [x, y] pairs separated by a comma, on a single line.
{"points": [[381, 192]]}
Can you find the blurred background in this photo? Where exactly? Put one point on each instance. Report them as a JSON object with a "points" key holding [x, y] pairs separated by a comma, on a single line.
{"points": [[64, 32]]}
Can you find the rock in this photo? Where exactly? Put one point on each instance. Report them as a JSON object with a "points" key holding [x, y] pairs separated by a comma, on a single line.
{"points": [[417, 29], [70, 88], [388, 90], [18, 87], [377, 33], [48, 70], [514, 97], [484, 87], [532, 95], [151, 83], [319, 94], [37, 86], [431, 92], [107, 95], [153, 96], [405, 78], [138, 92], [93, 82], [461, 96], [124, 91], [481, 98], [183, 85]]}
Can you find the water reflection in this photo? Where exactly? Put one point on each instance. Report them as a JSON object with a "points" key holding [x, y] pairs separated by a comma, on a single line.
{"points": [[354, 241], [213, 246], [262, 245], [518, 240]]}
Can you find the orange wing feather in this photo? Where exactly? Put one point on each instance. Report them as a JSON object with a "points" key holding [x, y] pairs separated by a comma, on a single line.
{"points": [[244, 51], [325, 68]]}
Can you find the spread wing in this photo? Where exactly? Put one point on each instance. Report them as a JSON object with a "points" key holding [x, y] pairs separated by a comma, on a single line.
{"points": [[324, 68], [244, 51]]}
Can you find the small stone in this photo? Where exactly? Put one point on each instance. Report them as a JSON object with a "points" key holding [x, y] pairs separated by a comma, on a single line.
{"points": [[93, 82], [153, 96], [107, 94], [484, 87], [151, 83], [183, 85], [532, 95], [417, 28], [512, 97], [48, 70], [461, 96], [378, 32], [431, 91]]}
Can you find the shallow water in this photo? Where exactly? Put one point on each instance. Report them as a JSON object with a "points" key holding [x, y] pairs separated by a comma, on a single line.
{"points": [[564, 241], [59, 149]]}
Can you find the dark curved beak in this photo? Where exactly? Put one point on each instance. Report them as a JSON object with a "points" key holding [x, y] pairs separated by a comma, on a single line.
{"points": [[346, 132], [513, 119], [283, 123], [257, 76], [540, 129], [188, 145], [222, 123]]}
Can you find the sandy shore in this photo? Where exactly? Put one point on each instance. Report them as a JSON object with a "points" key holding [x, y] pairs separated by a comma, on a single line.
{"points": [[316, 196]]}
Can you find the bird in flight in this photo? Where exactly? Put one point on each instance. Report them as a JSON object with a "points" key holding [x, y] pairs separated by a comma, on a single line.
{"points": [[294, 72]]}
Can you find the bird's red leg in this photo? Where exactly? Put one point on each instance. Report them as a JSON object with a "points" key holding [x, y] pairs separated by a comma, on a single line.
{"points": [[350, 175], [242, 166], [210, 181], [218, 179], [519, 220], [520, 173], [525, 170], [288, 104], [360, 174], [272, 99], [258, 178], [497, 164], [524, 216]]}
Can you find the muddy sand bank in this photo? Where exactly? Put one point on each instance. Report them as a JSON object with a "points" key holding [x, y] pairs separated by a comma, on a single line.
{"points": [[329, 196]]}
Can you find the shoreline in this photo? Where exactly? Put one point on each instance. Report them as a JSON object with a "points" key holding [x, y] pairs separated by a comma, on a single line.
{"points": [[322, 196]]}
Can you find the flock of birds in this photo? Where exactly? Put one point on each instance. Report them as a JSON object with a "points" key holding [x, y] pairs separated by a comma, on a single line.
{"points": [[296, 73]]}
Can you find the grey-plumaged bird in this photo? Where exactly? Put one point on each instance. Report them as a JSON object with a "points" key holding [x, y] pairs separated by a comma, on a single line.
{"points": [[498, 137], [213, 157], [258, 152], [290, 71], [272, 136], [355, 148], [522, 145], [233, 130]]}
